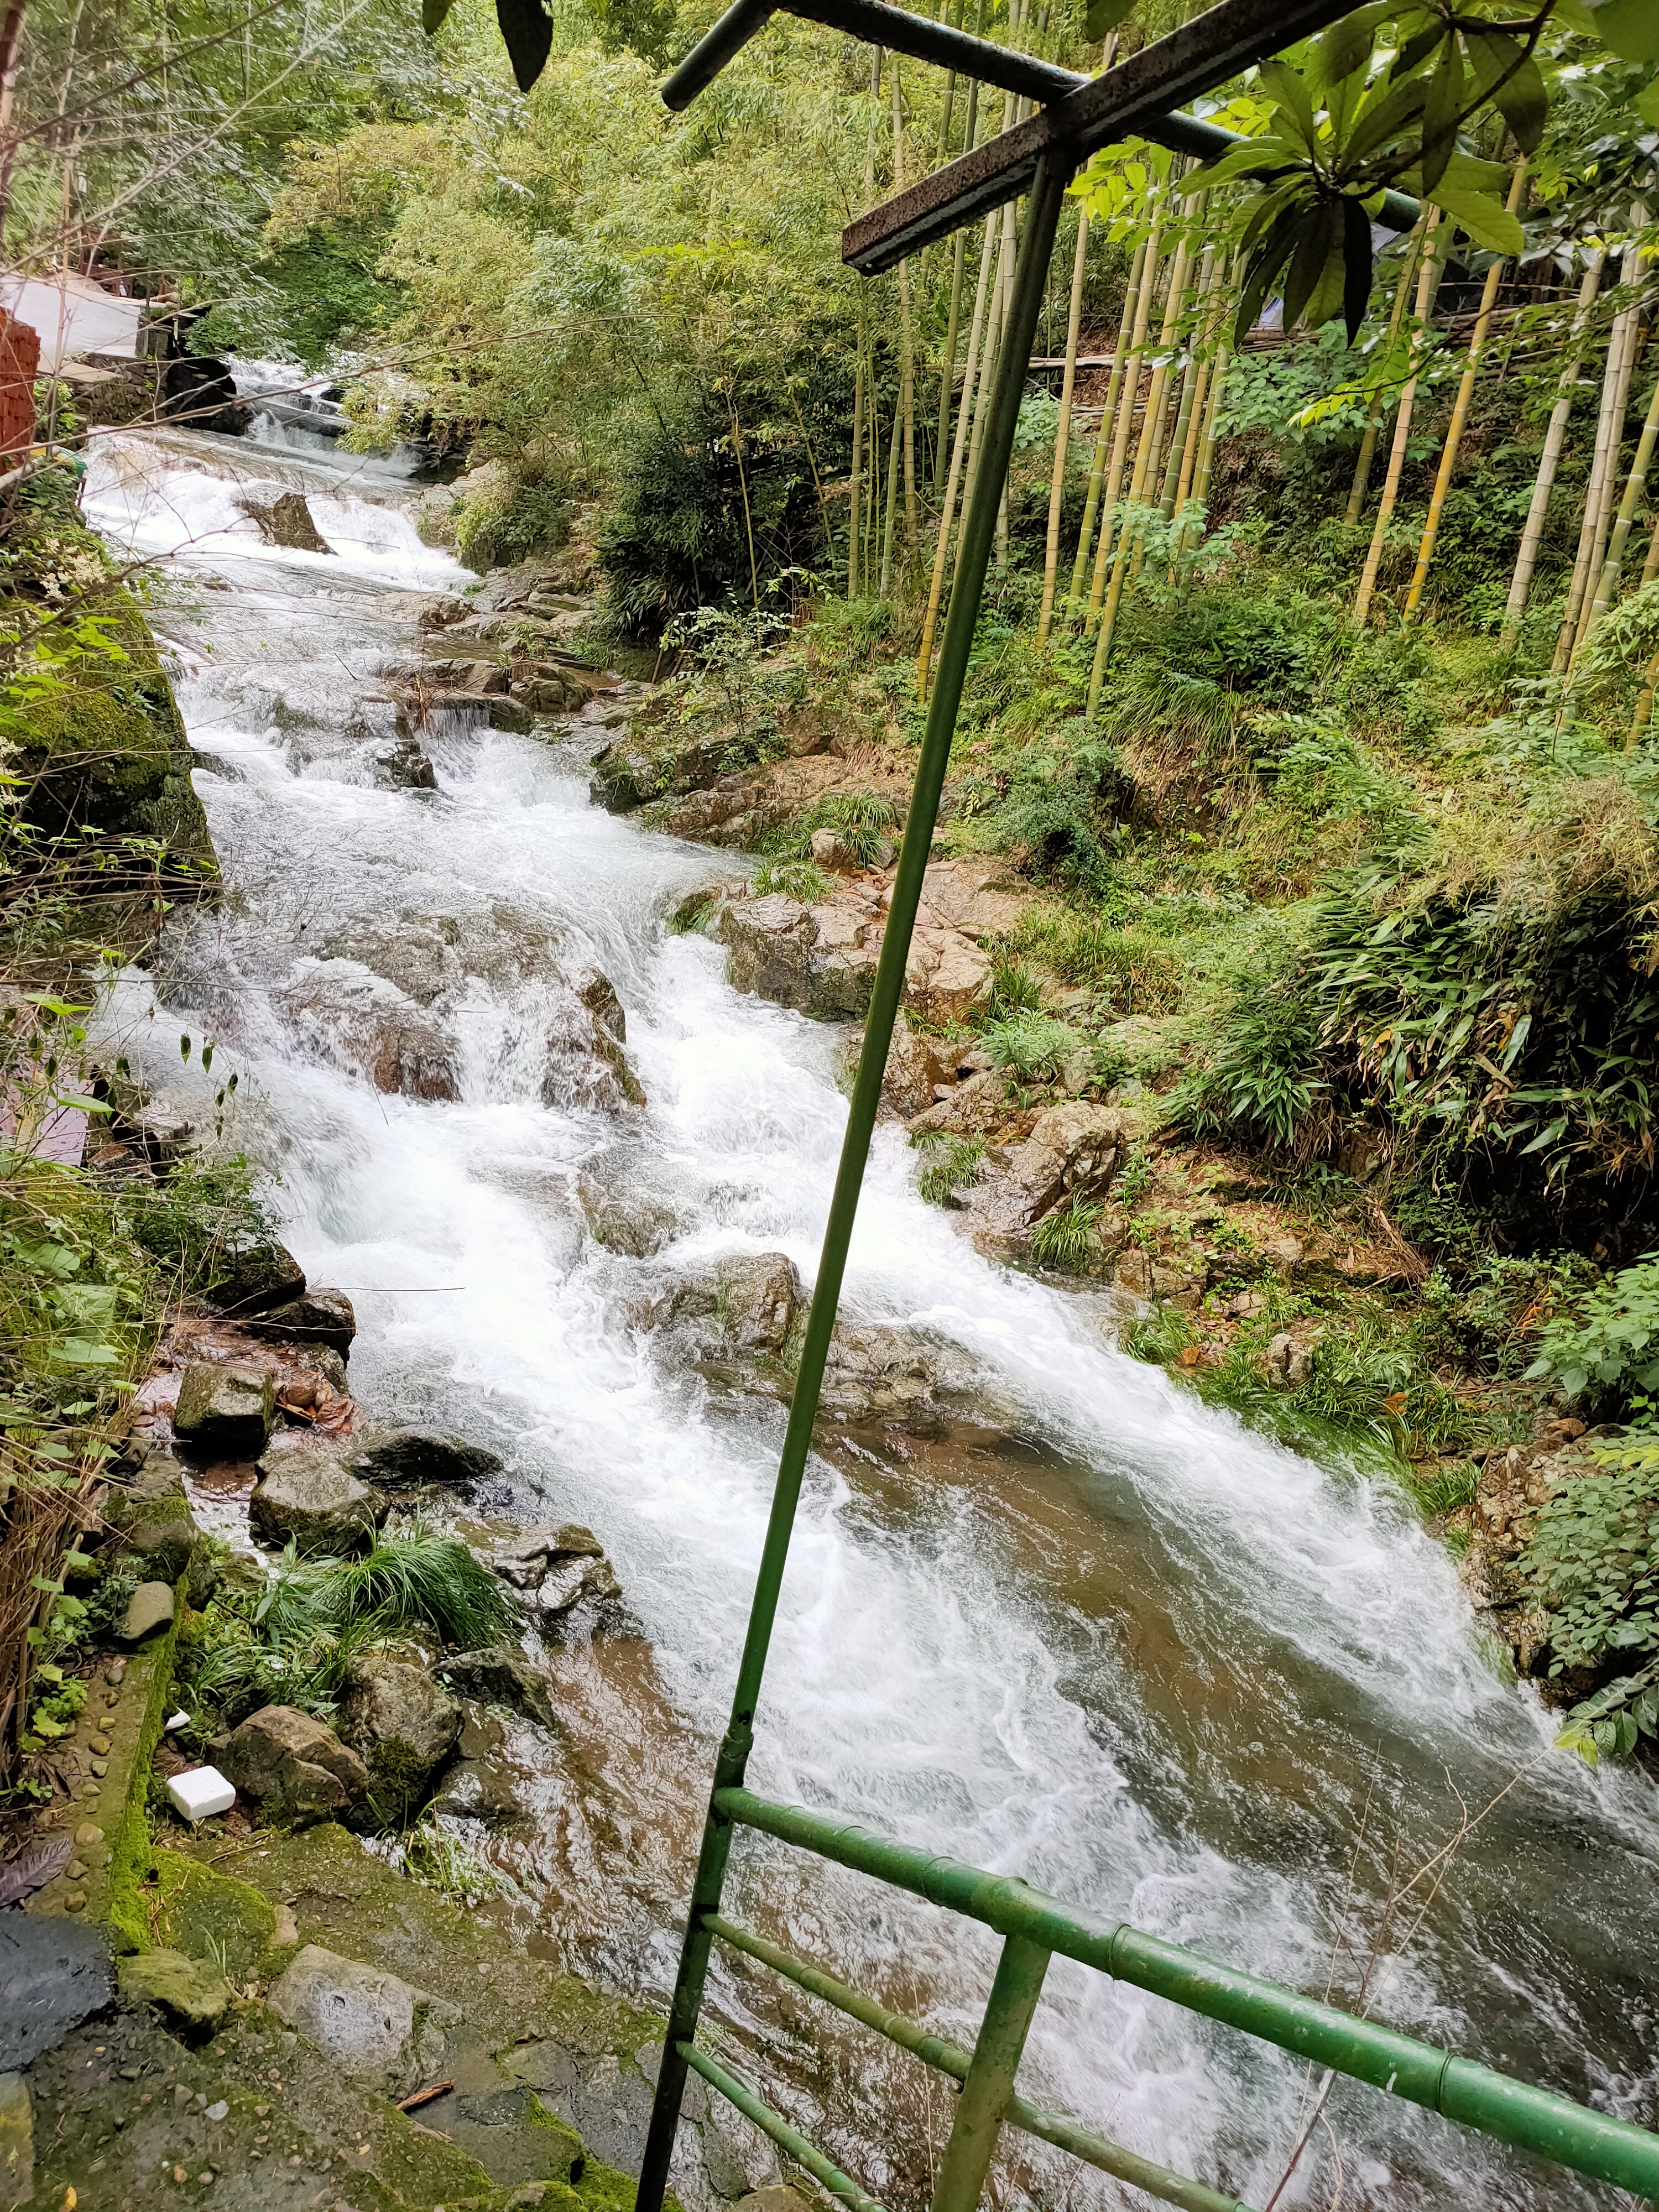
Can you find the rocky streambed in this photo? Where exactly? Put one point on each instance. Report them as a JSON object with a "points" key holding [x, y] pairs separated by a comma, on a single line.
{"points": [[568, 1158]]}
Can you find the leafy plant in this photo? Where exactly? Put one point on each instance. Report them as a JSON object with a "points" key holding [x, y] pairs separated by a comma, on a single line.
{"points": [[1161, 1336], [436, 1854], [1608, 1346], [950, 1164], [1261, 1080], [1592, 1560], [1030, 1047], [803, 880], [1068, 1237], [861, 819], [413, 1576]]}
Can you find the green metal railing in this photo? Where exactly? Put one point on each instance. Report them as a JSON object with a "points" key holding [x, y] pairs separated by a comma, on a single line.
{"points": [[1033, 1926]]}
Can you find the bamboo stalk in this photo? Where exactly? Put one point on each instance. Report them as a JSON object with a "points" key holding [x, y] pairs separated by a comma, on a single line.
{"points": [[1633, 274], [854, 491], [1124, 428], [1598, 496], [1063, 433], [1532, 536], [958, 452], [1439, 237], [1362, 468], [907, 363], [1103, 436], [1635, 484], [890, 512], [1460, 414], [1126, 565], [1179, 469]]}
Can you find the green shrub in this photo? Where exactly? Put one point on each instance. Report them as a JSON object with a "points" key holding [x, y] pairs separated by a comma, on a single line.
{"points": [[1068, 1237], [1357, 1380], [1261, 1081], [412, 1577], [1592, 1562], [797, 879], [1445, 1489], [1014, 988], [1030, 1047], [950, 1165], [1161, 1336], [861, 819], [1607, 1347]]}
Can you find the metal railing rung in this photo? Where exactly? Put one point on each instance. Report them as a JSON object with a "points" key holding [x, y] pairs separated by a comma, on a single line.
{"points": [[1143, 2173], [1475, 2096], [842, 2186]]}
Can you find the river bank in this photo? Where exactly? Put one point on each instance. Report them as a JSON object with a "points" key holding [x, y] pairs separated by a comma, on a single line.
{"points": [[1066, 1624]]}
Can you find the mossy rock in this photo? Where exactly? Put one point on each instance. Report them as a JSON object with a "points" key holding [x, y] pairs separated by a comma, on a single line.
{"points": [[205, 1913]]}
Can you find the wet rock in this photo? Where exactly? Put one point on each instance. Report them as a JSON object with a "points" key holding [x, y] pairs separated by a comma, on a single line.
{"points": [[1288, 1362], [149, 1607], [377, 2028], [586, 1065], [294, 1767], [550, 690], [631, 1222], [401, 1725], [16, 2140], [402, 764], [402, 1459], [252, 1274], [727, 1315], [287, 522], [625, 775], [501, 1676], [1073, 1153], [55, 1973], [1145, 1276], [415, 953], [224, 1412], [191, 1996], [821, 959], [511, 715], [976, 1107], [917, 1064], [889, 1375], [555, 1568], [321, 1316], [486, 1790], [307, 1495], [370, 1025], [154, 1527]]}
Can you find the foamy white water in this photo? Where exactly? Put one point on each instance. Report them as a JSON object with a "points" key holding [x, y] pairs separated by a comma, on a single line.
{"points": [[1135, 1653]]}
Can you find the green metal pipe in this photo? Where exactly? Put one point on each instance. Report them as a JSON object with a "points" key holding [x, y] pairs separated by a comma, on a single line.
{"points": [[973, 554], [1016, 1989], [839, 2184], [1143, 2173], [1537, 2120]]}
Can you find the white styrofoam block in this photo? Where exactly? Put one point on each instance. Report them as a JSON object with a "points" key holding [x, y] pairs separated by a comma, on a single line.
{"points": [[200, 1792], [181, 1719]]}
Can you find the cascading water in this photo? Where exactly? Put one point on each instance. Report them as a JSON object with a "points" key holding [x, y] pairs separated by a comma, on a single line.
{"points": [[1123, 1646]]}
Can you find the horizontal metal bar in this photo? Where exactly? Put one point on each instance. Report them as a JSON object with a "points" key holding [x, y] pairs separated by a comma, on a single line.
{"points": [[1475, 2096], [714, 48], [839, 2184], [925, 40], [1133, 100], [1144, 2174]]}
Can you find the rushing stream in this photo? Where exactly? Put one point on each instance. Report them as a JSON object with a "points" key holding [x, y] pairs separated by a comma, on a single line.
{"points": [[1123, 1647]]}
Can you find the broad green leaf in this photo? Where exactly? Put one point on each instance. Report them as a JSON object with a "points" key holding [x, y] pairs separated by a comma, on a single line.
{"points": [[1321, 233], [1102, 16], [527, 34], [1356, 253], [1385, 120], [1519, 96], [1441, 112], [1293, 101], [1631, 27], [1261, 157], [432, 14], [1487, 223], [1646, 104], [1346, 46]]}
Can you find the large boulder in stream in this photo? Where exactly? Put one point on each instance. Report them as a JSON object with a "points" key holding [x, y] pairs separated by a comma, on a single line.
{"points": [[821, 959], [307, 1496], [286, 522], [739, 1321], [401, 1723], [1071, 1156]]}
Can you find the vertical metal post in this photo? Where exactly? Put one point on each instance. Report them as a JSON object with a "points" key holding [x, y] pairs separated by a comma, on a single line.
{"points": [[990, 2082], [979, 525]]}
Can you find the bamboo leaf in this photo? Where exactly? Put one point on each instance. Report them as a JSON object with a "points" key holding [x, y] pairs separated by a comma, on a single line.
{"points": [[1487, 223], [432, 14], [1102, 16], [1440, 114], [1357, 266], [527, 34]]}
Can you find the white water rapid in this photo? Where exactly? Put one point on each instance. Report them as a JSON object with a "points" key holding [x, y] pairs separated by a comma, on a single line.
{"points": [[1130, 1650]]}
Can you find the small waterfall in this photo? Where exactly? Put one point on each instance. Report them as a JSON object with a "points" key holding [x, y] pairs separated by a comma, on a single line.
{"points": [[1122, 1645]]}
